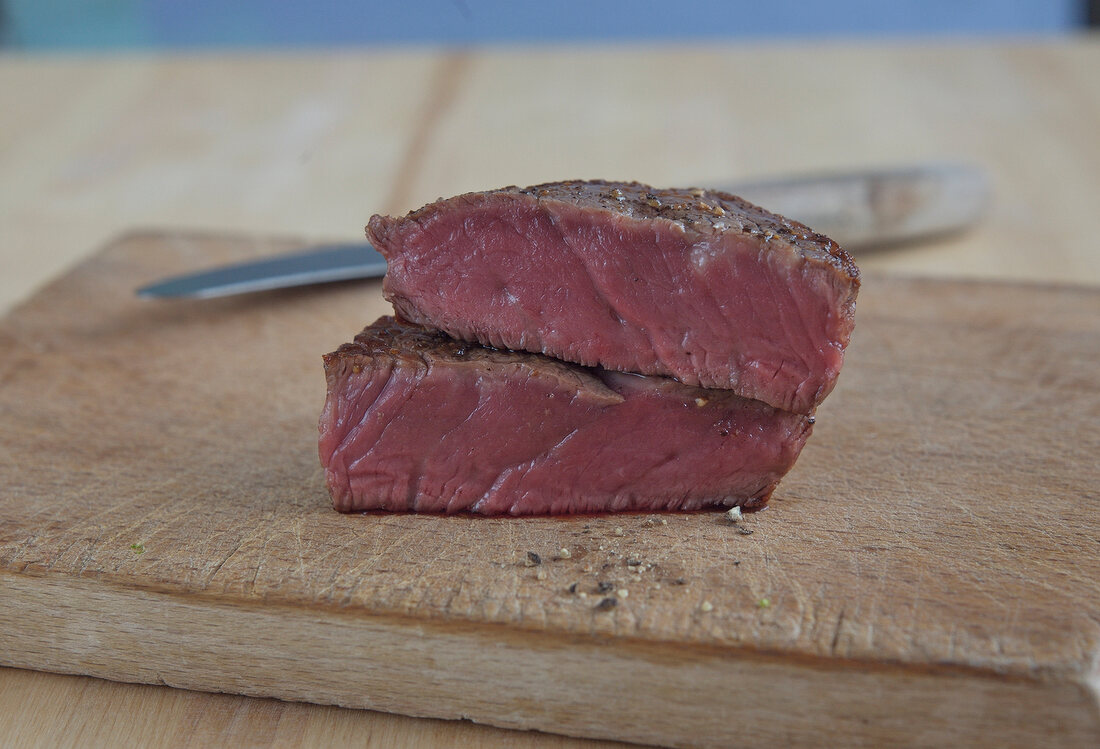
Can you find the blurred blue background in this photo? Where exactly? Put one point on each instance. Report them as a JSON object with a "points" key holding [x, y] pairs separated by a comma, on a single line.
{"points": [[110, 24]]}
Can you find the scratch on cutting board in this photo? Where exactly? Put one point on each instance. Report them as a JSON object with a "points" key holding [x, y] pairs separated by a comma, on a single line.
{"points": [[406, 534], [89, 553], [837, 630], [60, 554], [259, 567], [156, 512], [298, 542], [915, 605], [226, 558], [21, 549]]}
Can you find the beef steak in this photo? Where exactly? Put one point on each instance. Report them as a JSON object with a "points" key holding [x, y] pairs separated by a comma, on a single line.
{"points": [[693, 284], [416, 421]]}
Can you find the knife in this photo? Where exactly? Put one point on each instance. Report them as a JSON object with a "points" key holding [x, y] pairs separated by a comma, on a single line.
{"points": [[857, 209]]}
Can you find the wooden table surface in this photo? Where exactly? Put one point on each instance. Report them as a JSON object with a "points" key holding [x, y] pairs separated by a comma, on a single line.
{"points": [[310, 144]]}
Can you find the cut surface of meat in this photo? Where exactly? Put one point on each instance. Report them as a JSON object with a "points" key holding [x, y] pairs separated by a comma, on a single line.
{"points": [[415, 421], [693, 284]]}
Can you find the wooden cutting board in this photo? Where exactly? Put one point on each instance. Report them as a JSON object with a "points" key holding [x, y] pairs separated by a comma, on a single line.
{"points": [[929, 573]]}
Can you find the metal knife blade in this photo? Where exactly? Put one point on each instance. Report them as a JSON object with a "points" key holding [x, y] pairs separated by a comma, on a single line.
{"points": [[339, 262], [857, 209]]}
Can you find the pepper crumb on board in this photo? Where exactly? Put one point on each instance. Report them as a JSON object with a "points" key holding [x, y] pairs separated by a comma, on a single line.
{"points": [[572, 588], [607, 604], [744, 531], [603, 586], [532, 560], [632, 562]]}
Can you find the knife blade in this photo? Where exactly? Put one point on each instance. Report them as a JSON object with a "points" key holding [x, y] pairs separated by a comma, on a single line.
{"points": [[857, 209], [323, 264]]}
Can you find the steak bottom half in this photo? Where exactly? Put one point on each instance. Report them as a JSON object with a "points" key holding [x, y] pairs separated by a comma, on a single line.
{"points": [[416, 421]]}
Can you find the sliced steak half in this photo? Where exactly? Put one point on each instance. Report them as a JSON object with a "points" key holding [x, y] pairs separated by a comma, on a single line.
{"points": [[697, 285], [416, 421]]}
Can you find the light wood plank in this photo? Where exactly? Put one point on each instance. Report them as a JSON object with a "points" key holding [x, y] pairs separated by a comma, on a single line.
{"points": [[55, 710], [648, 692]]}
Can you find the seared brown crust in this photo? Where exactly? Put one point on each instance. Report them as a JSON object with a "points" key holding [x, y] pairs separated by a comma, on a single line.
{"points": [[695, 209], [412, 346]]}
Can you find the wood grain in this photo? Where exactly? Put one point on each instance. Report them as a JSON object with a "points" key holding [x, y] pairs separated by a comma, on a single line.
{"points": [[50, 710], [935, 547]]}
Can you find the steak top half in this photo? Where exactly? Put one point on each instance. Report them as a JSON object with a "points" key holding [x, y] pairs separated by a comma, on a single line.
{"points": [[693, 284], [416, 421]]}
